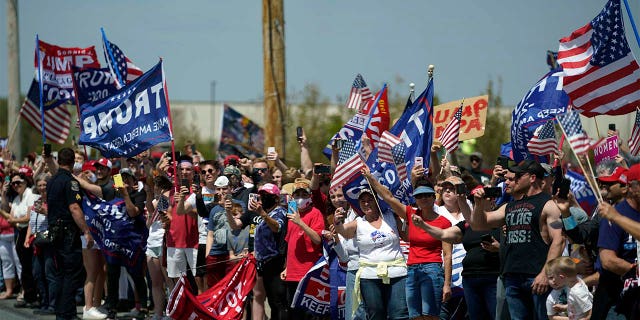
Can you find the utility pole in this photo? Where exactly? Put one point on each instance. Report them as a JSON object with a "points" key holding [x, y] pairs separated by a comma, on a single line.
{"points": [[13, 70], [274, 75]]}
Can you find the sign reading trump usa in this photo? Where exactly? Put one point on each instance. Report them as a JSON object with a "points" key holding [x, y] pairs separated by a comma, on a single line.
{"points": [[130, 121]]}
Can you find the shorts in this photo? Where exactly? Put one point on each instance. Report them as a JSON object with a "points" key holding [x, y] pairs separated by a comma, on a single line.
{"points": [[201, 268], [154, 252], [178, 259]]}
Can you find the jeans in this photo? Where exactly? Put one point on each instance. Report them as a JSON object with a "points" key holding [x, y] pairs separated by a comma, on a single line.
{"points": [[454, 309], [523, 303], [25, 255], [424, 289], [348, 309], [274, 287], [44, 274], [384, 301], [68, 262], [480, 294], [137, 274], [606, 296]]}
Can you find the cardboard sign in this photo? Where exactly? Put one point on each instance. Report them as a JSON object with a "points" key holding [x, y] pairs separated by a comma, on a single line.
{"points": [[608, 149], [474, 117]]}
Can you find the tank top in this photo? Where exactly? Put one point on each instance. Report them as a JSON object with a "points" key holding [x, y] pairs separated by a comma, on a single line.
{"points": [[378, 245], [525, 250]]}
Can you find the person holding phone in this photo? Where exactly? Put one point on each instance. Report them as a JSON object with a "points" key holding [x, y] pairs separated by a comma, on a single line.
{"points": [[217, 260], [532, 238], [270, 221]]}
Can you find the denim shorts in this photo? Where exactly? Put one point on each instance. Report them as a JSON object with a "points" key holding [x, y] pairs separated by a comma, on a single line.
{"points": [[424, 289]]}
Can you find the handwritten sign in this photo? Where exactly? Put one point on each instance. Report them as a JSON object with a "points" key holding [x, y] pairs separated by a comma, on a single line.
{"points": [[608, 149], [474, 117]]}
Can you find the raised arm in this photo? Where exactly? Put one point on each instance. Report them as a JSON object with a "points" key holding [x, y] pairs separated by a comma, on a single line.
{"points": [[347, 230], [385, 194], [452, 234], [481, 218]]}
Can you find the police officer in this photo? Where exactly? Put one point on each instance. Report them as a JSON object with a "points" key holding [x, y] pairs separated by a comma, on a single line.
{"points": [[66, 224]]}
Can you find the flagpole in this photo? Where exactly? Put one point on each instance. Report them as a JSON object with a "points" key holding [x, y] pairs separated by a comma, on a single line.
{"points": [[597, 129], [173, 142], [75, 91], [412, 90], [633, 23], [589, 181], [375, 196], [13, 130], [114, 63], [40, 89]]}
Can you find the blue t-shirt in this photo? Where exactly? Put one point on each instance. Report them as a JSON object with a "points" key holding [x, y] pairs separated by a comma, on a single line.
{"points": [[267, 244], [218, 225], [612, 237]]}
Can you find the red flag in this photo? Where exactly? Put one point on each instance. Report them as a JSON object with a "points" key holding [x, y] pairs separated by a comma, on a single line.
{"points": [[379, 117], [601, 73], [223, 301]]}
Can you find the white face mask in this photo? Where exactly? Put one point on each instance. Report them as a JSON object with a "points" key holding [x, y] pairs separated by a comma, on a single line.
{"points": [[303, 203], [77, 166], [92, 177]]}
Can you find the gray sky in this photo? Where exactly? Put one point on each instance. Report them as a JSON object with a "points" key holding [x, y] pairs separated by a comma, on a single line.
{"points": [[327, 42]]}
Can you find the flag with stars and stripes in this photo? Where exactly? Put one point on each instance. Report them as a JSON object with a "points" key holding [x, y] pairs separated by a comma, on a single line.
{"points": [[360, 93], [579, 141], [57, 121], [392, 150], [349, 164], [543, 141], [601, 73], [634, 139], [123, 70], [451, 134]]}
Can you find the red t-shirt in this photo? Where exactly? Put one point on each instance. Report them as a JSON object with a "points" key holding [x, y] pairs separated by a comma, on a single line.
{"points": [[183, 232], [302, 254], [423, 248]]}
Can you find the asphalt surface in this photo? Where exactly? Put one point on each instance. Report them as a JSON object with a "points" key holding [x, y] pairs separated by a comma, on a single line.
{"points": [[9, 312]]}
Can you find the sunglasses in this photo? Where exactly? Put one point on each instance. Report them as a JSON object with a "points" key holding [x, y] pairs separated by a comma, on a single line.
{"points": [[424, 196], [16, 183], [209, 171]]}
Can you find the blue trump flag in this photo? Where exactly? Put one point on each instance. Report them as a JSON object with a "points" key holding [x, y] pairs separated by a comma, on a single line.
{"points": [[132, 120], [92, 85], [415, 129], [539, 105], [122, 239]]}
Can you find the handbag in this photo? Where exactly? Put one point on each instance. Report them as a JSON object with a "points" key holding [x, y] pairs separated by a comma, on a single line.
{"points": [[42, 238]]}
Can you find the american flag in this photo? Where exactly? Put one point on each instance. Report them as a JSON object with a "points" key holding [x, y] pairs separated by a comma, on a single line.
{"points": [[392, 150], [601, 73], [360, 93], [450, 135], [634, 140], [57, 121], [121, 67], [349, 164], [578, 139], [543, 141]]}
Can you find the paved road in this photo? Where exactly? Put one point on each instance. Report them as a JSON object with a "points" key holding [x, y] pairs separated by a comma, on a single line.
{"points": [[8, 312]]}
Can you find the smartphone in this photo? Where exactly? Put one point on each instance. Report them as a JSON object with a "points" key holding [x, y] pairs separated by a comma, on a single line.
{"points": [[612, 126], [338, 143], [47, 150], [418, 162], [228, 197], [196, 179], [171, 156], [503, 162], [492, 192], [486, 238], [271, 150], [321, 169], [292, 207], [461, 188], [254, 196], [185, 183], [193, 149], [117, 181], [562, 189], [299, 133]]}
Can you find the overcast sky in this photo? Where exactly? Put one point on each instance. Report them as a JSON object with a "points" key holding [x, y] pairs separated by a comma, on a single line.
{"points": [[327, 42]]}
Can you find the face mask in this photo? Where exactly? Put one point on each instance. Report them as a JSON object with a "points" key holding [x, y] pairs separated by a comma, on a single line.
{"points": [[303, 203], [77, 166], [92, 177], [268, 202]]}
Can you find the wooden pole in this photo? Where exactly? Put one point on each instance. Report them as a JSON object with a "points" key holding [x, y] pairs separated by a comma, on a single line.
{"points": [[275, 110], [13, 72]]}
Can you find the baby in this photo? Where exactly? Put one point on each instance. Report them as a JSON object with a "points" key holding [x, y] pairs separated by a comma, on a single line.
{"points": [[570, 298]]}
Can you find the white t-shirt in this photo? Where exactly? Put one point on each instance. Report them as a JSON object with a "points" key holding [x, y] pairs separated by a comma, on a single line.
{"points": [[556, 297], [156, 230], [347, 249], [379, 245], [579, 300], [207, 196], [458, 253], [21, 205]]}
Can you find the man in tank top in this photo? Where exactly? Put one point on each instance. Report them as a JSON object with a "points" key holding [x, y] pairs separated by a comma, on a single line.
{"points": [[533, 237]]}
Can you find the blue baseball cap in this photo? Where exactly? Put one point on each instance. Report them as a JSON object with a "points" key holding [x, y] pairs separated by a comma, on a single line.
{"points": [[422, 190]]}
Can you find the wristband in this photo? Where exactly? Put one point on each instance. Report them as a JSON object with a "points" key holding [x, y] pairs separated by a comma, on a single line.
{"points": [[569, 223]]}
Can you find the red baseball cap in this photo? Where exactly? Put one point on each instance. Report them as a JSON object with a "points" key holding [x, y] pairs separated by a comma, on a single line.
{"points": [[270, 188], [633, 174], [26, 170], [229, 157], [88, 166], [103, 162], [618, 175]]}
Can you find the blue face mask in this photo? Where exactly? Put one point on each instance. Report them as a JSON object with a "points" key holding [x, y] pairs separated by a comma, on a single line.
{"points": [[77, 166]]}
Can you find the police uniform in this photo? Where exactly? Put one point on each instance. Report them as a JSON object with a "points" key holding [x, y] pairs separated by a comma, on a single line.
{"points": [[62, 191]]}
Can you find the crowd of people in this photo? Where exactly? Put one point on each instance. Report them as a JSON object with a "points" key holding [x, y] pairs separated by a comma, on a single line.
{"points": [[501, 241]]}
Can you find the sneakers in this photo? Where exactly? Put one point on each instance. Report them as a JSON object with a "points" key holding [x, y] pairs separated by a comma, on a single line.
{"points": [[93, 313], [136, 314]]}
